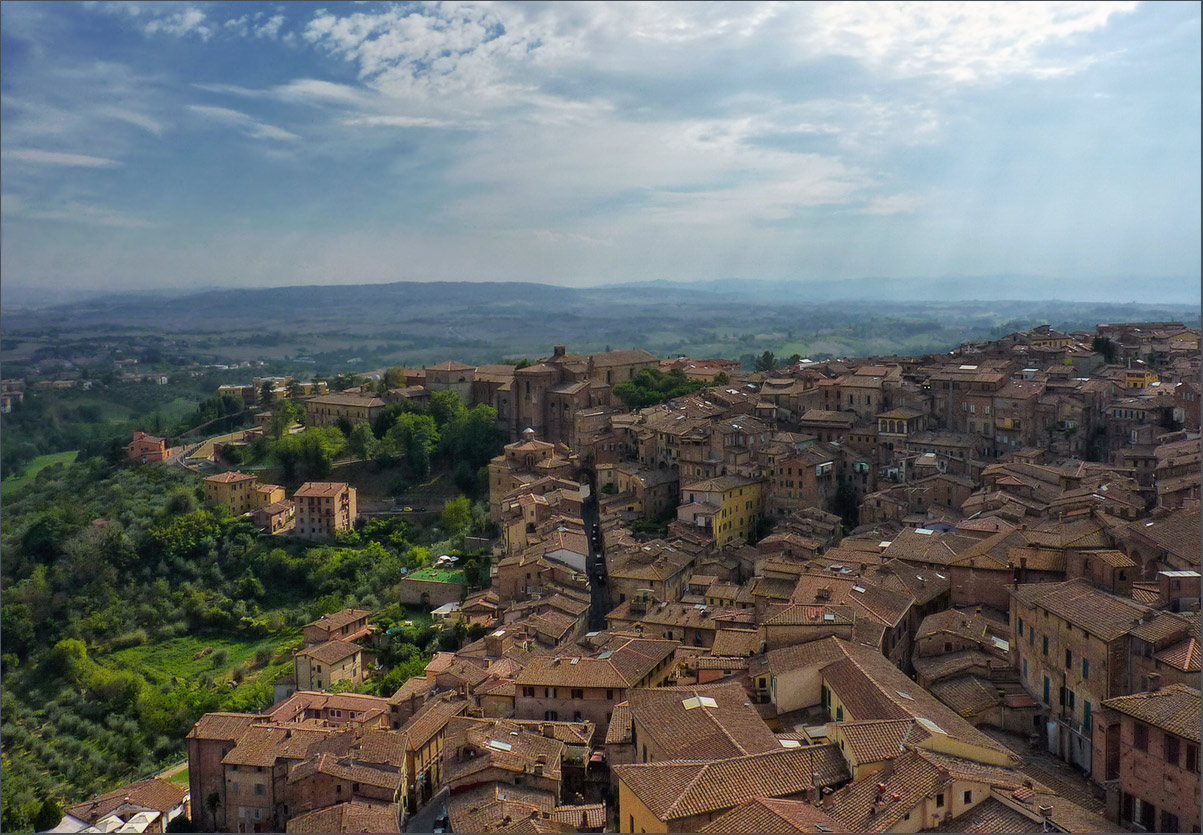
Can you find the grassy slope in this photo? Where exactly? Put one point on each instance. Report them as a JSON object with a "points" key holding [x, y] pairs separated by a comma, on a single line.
{"points": [[10, 486]]}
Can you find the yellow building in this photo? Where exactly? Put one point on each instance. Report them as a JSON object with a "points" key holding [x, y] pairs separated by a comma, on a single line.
{"points": [[726, 507], [263, 495], [234, 490], [1138, 378]]}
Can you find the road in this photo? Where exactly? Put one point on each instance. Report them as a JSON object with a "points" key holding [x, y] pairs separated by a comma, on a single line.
{"points": [[423, 820], [595, 565]]}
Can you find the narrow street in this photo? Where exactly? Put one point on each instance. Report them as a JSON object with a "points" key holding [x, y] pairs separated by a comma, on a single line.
{"points": [[599, 603]]}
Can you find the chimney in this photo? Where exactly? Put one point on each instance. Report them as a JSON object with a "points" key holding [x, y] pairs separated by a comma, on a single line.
{"points": [[1154, 682], [887, 768], [828, 801], [1046, 811], [558, 351]]}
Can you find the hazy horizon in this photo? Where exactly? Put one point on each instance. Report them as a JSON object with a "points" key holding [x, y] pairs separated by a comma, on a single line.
{"points": [[200, 145]]}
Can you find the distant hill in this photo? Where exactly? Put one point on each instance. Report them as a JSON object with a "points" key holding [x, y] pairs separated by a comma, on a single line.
{"points": [[1114, 290]]}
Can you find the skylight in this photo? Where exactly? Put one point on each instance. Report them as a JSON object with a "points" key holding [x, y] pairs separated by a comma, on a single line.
{"points": [[860, 589], [931, 726], [500, 746], [924, 531], [906, 696], [790, 743]]}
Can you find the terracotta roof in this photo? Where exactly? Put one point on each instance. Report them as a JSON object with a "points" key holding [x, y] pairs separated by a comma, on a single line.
{"points": [[1174, 708], [959, 622], [153, 794], [677, 789], [348, 768], [770, 814], [319, 489], [430, 720], [346, 400], [588, 816], [262, 745], [221, 726], [625, 662], [499, 744], [873, 740], [228, 478], [736, 642], [991, 815], [619, 729], [719, 484], [413, 686], [352, 816], [450, 365], [338, 620], [913, 780], [1076, 601], [704, 722], [967, 695], [935, 667], [483, 808], [331, 652], [1177, 533], [871, 687]]}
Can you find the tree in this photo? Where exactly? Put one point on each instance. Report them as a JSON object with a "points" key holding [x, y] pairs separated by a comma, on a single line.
{"points": [[284, 414], [766, 362], [445, 407], [394, 378], [267, 392], [69, 661], [1103, 345], [416, 437], [48, 816], [457, 515], [722, 378], [794, 359], [361, 443]]}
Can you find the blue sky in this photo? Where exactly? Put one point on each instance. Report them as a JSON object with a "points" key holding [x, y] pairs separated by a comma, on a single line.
{"points": [[152, 145]]}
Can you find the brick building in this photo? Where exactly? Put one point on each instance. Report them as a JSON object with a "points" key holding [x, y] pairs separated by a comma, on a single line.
{"points": [[323, 508]]}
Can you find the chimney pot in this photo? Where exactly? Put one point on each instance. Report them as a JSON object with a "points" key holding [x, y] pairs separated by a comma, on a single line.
{"points": [[1154, 682]]}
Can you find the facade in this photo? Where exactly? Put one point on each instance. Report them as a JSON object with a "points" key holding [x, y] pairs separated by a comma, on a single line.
{"points": [[147, 449], [1071, 651], [324, 665], [1148, 759], [234, 490], [724, 508], [323, 508], [329, 409]]}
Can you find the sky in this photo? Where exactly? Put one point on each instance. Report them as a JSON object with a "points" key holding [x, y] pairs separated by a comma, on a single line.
{"points": [[160, 145]]}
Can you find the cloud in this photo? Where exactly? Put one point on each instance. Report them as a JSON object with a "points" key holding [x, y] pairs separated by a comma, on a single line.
{"points": [[141, 120], [181, 23], [39, 157], [13, 206], [398, 122], [958, 41], [242, 122]]}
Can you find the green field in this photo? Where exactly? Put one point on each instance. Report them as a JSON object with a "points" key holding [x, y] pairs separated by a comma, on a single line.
{"points": [[180, 778], [175, 658], [9, 486], [442, 575]]}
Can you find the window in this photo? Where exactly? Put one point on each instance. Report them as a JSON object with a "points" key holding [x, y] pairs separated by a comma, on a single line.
{"points": [[1046, 644], [1140, 737], [940, 800], [578, 693], [1192, 758], [260, 788], [967, 797], [1021, 627], [610, 695], [1031, 637], [1169, 822], [1087, 723], [551, 716], [1170, 748], [529, 692], [1047, 686], [1069, 658], [1085, 668], [1025, 669]]}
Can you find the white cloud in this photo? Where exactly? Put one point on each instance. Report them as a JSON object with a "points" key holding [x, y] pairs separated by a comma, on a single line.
{"points": [[186, 21], [39, 157], [959, 41], [72, 212], [132, 117], [241, 121], [398, 122]]}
